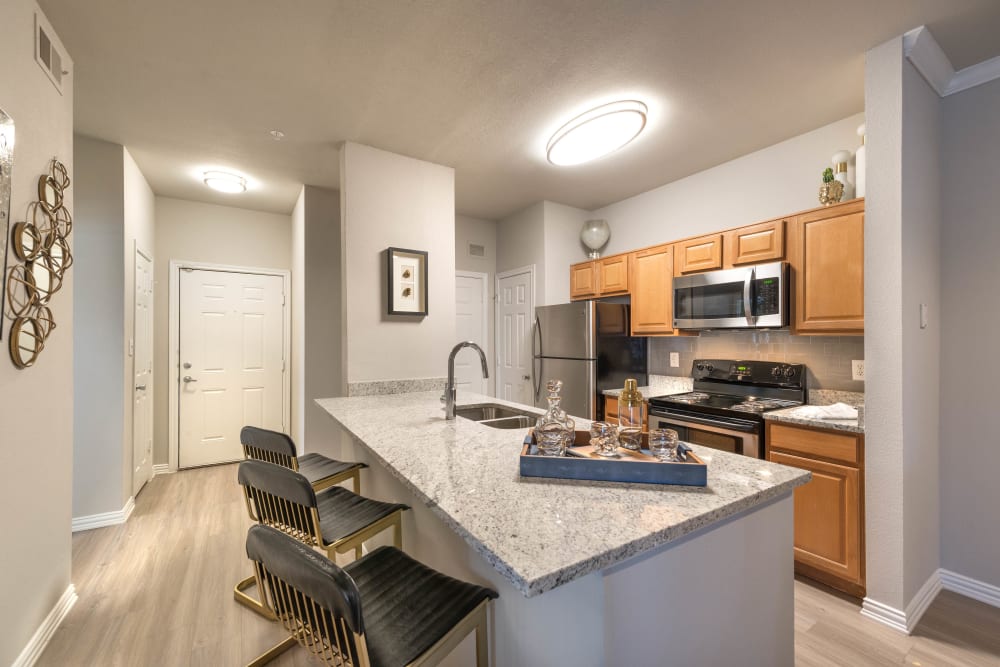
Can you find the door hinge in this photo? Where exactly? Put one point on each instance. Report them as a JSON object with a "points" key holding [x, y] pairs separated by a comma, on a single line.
{"points": [[282, 298], [187, 269]]}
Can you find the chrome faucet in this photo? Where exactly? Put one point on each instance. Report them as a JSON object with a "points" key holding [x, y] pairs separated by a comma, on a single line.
{"points": [[449, 389]]}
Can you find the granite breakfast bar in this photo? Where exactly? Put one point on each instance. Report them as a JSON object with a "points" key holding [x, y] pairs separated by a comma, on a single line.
{"points": [[588, 573]]}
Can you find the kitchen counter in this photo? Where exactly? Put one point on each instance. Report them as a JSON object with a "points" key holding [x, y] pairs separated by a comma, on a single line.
{"points": [[659, 385], [789, 416], [581, 556]]}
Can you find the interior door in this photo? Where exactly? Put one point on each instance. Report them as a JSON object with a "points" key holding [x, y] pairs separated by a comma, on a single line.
{"points": [[142, 365], [515, 304], [471, 299], [232, 366]]}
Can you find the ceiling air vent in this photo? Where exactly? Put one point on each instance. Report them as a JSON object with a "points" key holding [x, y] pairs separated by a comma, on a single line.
{"points": [[477, 250], [47, 54]]}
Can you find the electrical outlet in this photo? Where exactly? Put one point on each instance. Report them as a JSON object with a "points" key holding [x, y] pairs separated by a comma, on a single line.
{"points": [[675, 359], [858, 369]]}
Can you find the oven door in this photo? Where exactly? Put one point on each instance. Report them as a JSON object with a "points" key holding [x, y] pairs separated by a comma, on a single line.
{"points": [[729, 435]]}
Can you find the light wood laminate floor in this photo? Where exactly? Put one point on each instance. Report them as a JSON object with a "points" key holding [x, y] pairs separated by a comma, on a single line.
{"points": [[158, 591]]}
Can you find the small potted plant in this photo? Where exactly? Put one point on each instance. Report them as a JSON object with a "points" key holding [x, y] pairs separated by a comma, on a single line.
{"points": [[832, 190]]}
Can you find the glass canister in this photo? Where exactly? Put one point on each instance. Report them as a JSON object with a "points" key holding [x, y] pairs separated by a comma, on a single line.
{"points": [[555, 429], [630, 417]]}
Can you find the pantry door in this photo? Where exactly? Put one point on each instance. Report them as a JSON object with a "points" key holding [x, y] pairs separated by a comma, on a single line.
{"points": [[232, 366]]}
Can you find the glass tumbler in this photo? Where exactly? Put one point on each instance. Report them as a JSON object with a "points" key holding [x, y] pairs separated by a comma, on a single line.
{"points": [[663, 444], [604, 438]]}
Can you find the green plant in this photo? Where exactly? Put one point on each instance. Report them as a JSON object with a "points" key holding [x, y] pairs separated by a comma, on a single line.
{"points": [[827, 175]]}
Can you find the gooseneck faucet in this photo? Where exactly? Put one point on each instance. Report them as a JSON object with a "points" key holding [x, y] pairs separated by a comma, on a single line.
{"points": [[449, 389]]}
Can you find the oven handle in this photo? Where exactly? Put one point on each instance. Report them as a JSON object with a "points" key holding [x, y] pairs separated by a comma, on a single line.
{"points": [[712, 424], [748, 297]]}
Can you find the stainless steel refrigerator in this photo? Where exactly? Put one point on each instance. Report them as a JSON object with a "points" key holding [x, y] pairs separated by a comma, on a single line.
{"points": [[587, 345]]}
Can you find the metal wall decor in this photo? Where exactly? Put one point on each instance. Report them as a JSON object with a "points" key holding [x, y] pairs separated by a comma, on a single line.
{"points": [[407, 281], [6, 167], [41, 244]]}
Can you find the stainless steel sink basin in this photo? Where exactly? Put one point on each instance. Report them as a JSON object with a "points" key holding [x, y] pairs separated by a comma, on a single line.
{"points": [[497, 416]]}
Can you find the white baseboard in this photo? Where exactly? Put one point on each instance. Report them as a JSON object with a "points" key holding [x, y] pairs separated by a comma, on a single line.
{"points": [[904, 620], [106, 519], [33, 650], [970, 588], [161, 469]]}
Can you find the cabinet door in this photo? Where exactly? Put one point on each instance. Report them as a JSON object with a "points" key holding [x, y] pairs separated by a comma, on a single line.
{"points": [[582, 281], [754, 244], [613, 275], [652, 291], [829, 268], [827, 517], [701, 254]]}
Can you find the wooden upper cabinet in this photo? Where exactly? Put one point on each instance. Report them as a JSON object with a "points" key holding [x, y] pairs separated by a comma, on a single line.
{"points": [[583, 281], [613, 276], [828, 256], [764, 242], [652, 291], [701, 254]]}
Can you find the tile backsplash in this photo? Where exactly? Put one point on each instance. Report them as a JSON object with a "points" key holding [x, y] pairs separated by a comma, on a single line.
{"points": [[828, 358]]}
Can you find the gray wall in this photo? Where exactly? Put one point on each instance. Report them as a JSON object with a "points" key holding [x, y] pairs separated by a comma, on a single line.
{"points": [[521, 242], [970, 237], [99, 364], [36, 404], [483, 232]]}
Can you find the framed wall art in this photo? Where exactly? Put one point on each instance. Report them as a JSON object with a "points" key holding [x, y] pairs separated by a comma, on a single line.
{"points": [[407, 281]]}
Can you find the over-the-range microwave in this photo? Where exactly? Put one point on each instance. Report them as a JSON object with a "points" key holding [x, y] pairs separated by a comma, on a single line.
{"points": [[755, 297]]}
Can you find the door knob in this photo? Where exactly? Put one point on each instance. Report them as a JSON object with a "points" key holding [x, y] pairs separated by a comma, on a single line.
{"points": [[188, 378], [526, 377]]}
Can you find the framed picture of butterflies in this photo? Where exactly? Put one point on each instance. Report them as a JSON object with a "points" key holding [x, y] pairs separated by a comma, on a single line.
{"points": [[407, 281]]}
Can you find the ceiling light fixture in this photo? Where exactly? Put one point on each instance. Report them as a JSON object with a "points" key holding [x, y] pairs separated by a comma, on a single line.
{"points": [[223, 181], [596, 133]]}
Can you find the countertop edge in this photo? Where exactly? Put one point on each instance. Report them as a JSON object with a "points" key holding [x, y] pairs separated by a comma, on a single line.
{"points": [[786, 417]]}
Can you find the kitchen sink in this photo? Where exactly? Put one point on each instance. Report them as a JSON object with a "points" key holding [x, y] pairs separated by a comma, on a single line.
{"points": [[497, 416]]}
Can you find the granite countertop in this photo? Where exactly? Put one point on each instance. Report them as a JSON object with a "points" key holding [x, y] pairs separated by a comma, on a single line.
{"points": [[542, 533], [788, 416], [659, 385]]}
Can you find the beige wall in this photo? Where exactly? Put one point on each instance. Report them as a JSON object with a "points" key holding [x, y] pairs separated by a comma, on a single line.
{"points": [[196, 232], [970, 236], [298, 222], [392, 200], [36, 404]]}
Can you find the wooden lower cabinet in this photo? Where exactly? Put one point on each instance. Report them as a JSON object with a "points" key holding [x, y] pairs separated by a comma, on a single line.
{"points": [[829, 509]]}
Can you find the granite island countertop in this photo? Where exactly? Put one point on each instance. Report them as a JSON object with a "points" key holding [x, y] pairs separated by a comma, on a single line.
{"points": [[789, 416], [542, 533]]}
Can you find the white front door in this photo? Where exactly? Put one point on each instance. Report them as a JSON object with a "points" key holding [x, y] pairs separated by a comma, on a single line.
{"points": [[142, 366], [471, 298], [515, 308], [231, 365]]}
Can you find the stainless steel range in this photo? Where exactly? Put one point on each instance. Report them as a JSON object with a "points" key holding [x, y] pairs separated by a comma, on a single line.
{"points": [[725, 410]]}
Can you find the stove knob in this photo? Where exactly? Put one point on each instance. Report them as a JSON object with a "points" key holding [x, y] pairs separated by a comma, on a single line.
{"points": [[700, 367], [709, 367], [789, 371], [776, 371]]}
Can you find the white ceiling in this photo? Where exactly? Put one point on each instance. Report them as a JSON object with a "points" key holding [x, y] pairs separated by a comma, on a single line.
{"points": [[477, 85]]}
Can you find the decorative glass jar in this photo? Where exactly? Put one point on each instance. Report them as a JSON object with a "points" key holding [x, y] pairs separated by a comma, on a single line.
{"points": [[555, 429], [630, 417]]}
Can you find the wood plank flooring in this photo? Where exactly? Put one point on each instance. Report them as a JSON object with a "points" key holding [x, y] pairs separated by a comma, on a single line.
{"points": [[158, 591]]}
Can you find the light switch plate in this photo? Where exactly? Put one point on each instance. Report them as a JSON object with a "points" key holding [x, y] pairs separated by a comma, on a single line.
{"points": [[858, 369], [675, 359]]}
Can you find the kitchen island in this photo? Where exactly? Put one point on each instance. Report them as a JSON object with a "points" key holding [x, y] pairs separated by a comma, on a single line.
{"points": [[588, 573]]}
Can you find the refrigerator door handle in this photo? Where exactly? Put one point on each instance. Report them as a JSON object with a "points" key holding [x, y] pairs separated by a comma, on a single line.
{"points": [[536, 351]]}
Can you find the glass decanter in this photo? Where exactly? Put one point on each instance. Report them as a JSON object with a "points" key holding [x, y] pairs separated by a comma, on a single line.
{"points": [[555, 429]]}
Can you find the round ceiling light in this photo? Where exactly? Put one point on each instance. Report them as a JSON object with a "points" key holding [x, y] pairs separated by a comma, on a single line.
{"points": [[597, 133], [223, 181]]}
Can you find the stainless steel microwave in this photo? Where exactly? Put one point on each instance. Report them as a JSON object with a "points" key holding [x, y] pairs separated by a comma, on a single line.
{"points": [[755, 297]]}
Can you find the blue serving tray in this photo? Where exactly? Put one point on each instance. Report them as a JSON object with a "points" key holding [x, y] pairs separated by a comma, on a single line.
{"points": [[690, 472]]}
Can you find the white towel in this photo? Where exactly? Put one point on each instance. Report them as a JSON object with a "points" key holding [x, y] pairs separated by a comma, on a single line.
{"points": [[835, 411]]}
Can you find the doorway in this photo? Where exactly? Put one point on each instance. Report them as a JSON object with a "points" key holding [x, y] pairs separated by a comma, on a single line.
{"points": [[230, 336], [472, 323], [514, 316], [142, 370]]}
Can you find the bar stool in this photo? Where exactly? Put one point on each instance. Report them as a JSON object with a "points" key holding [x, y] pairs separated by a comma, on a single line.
{"points": [[414, 614], [260, 444]]}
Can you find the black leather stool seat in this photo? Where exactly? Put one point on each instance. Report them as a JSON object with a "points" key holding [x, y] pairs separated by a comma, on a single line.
{"points": [[342, 513], [316, 467], [407, 606]]}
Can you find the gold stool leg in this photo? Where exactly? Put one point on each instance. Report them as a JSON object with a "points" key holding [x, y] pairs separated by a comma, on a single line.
{"points": [[273, 652], [397, 531], [482, 644], [357, 481], [250, 602]]}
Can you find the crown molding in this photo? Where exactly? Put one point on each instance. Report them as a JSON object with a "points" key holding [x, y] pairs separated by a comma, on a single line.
{"points": [[920, 47]]}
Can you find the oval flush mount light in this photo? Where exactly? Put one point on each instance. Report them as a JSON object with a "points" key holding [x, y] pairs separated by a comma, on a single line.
{"points": [[597, 133], [223, 181]]}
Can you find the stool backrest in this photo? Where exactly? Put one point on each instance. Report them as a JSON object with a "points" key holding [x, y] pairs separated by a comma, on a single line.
{"points": [[314, 599], [281, 498], [260, 444]]}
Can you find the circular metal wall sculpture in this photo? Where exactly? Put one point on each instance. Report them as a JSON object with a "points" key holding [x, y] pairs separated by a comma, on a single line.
{"points": [[41, 244]]}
